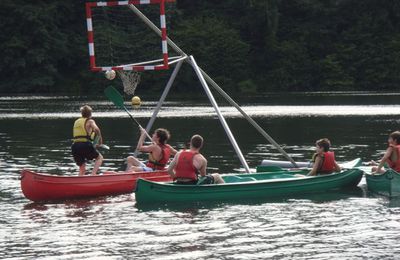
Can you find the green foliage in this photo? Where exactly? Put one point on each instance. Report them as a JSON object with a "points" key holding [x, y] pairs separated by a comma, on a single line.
{"points": [[247, 87], [216, 47], [247, 46]]}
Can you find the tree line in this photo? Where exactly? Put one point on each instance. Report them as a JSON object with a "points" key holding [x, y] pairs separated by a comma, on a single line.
{"points": [[246, 46]]}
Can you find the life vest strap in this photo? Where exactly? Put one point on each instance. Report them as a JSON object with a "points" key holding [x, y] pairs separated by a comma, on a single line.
{"points": [[157, 163], [88, 138]]}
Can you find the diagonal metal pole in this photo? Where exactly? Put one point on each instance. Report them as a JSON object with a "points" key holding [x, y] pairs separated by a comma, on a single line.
{"points": [[162, 98], [220, 116], [164, 95], [214, 85]]}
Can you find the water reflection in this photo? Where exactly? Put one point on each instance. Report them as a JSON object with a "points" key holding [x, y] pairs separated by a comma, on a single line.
{"points": [[228, 112], [271, 105]]}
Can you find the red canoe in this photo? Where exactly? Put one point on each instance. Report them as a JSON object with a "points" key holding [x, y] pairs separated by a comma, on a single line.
{"points": [[45, 187]]}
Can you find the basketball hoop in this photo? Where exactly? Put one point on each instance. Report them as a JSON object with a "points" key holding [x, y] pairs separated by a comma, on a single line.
{"points": [[130, 79]]}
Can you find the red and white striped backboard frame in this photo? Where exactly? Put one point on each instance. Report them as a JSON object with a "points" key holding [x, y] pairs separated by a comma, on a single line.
{"points": [[138, 66]]}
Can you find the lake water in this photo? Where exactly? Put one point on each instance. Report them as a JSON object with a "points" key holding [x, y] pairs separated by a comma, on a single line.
{"points": [[35, 133]]}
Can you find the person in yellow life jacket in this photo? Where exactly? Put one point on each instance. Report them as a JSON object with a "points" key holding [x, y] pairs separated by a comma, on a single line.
{"points": [[188, 166], [84, 132], [324, 160], [159, 152], [391, 156]]}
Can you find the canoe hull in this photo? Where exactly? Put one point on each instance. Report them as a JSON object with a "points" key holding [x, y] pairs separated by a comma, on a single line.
{"points": [[151, 192], [40, 187], [287, 164], [387, 184]]}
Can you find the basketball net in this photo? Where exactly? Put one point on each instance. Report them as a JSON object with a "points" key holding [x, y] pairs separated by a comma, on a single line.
{"points": [[130, 79]]}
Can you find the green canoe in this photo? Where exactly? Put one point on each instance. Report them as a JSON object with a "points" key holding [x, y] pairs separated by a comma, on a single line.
{"points": [[387, 183], [247, 186]]}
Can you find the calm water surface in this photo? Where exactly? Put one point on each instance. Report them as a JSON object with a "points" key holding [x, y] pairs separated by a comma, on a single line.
{"points": [[35, 133]]}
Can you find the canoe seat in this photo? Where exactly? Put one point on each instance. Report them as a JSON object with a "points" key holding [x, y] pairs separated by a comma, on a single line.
{"points": [[233, 179]]}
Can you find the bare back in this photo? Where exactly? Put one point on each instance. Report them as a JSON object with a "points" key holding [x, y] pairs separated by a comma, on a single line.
{"points": [[200, 163]]}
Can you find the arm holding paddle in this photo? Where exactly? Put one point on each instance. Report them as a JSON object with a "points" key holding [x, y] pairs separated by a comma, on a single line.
{"points": [[141, 140], [114, 96]]}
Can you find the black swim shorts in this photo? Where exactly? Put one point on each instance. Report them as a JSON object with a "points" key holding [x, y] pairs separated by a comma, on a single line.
{"points": [[208, 179], [83, 151]]}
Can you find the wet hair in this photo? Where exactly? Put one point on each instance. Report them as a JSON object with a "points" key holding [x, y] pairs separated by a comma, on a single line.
{"points": [[163, 135], [86, 111], [196, 141], [324, 143], [395, 136]]}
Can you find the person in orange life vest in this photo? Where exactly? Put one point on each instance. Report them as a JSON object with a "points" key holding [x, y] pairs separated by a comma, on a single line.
{"points": [[324, 160], [84, 131], [187, 165], [391, 156], [159, 152]]}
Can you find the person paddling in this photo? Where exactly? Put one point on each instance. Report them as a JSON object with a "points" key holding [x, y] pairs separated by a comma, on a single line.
{"points": [[187, 165], [85, 130], [324, 160], [159, 152]]}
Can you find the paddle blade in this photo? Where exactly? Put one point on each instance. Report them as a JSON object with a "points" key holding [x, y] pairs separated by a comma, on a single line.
{"points": [[114, 96], [105, 147]]}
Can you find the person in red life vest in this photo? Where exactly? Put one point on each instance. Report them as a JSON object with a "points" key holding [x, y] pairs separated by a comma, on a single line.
{"points": [[84, 132], [391, 156], [324, 160], [159, 152], [187, 165]]}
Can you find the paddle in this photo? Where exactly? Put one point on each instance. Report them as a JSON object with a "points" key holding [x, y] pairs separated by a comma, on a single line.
{"points": [[102, 146], [114, 96]]}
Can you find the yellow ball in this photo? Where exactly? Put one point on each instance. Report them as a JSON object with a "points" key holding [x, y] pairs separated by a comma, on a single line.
{"points": [[136, 101]]}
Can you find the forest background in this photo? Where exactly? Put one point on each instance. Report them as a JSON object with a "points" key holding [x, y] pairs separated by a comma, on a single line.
{"points": [[246, 46]]}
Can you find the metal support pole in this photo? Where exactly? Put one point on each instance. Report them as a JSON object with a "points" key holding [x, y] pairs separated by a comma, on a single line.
{"points": [[214, 85], [220, 116], [162, 98]]}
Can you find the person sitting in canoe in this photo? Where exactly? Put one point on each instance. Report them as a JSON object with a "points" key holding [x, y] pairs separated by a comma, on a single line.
{"points": [[324, 160], [187, 165], [84, 132], [391, 156], [159, 152]]}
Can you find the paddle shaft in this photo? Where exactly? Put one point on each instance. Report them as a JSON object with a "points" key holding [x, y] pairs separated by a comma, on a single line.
{"points": [[113, 95], [134, 120]]}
